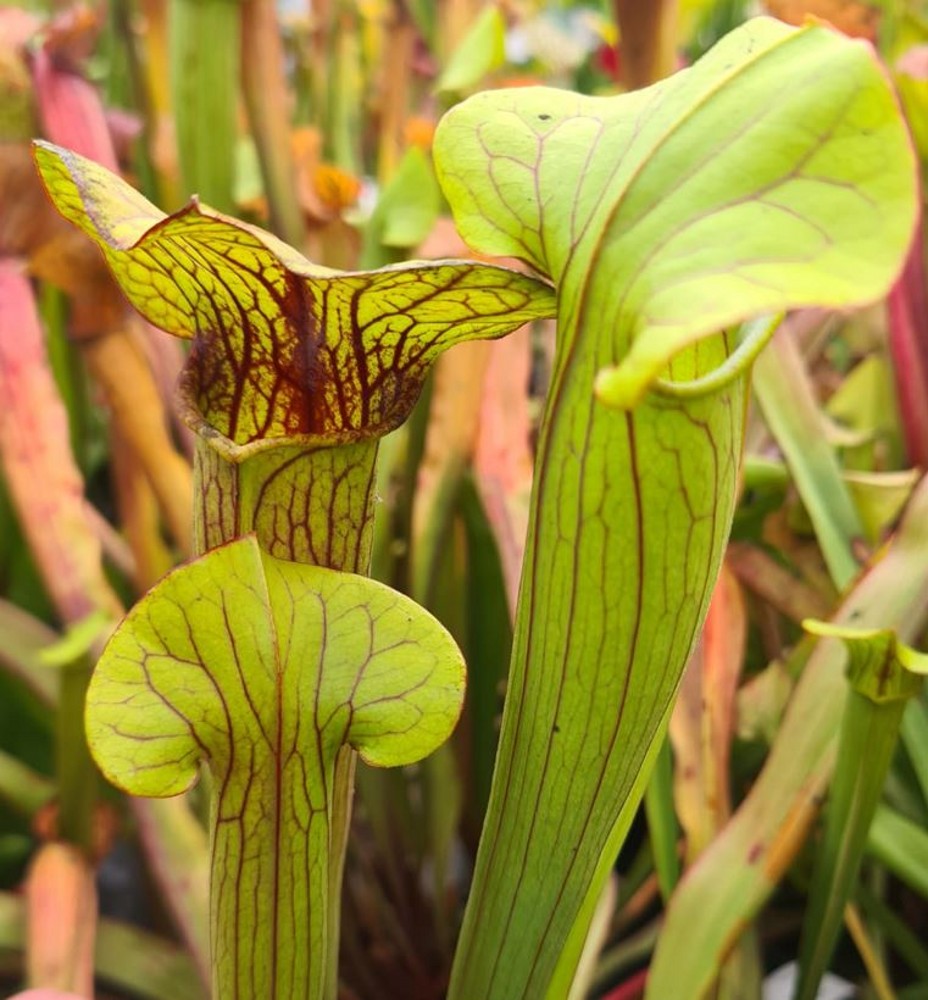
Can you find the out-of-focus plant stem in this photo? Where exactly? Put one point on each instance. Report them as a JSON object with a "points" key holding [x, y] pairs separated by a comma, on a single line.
{"points": [[908, 341], [266, 98], [66, 368], [647, 40], [401, 35], [205, 36], [61, 921], [119, 367], [77, 775], [47, 490], [138, 513], [159, 124], [344, 96], [879, 979]]}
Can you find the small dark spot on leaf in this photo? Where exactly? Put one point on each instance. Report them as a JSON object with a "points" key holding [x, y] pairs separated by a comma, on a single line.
{"points": [[544, 118], [755, 852], [555, 728]]}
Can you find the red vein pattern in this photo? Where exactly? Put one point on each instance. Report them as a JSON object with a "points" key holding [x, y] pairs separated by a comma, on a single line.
{"points": [[309, 505], [282, 348]]}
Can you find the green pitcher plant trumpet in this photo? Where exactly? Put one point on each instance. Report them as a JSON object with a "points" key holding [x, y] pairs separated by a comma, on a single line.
{"points": [[271, 658], [775, 173], [671, 227]]}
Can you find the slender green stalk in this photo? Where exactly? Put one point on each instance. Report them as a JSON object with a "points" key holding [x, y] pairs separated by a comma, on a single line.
{"points": [[78, 785], [266, 98], [662, 822], [866, 948]]}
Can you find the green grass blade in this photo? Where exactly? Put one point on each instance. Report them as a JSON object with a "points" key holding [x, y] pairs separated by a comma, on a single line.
{"points": [[488, 644], [787, 400], [663, 828], [902, 846], [915, 740]]}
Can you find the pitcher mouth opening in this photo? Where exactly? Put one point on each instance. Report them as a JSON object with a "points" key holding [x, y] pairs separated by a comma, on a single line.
{"points": [[189, 410]]}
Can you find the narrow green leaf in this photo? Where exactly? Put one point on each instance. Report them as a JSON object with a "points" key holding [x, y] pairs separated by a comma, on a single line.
{"points": [[23, 789], [77, 641], [406, 211], [902, 846], [489, 642], [663, 829], [482, 50], [787, 400], [24, 639], [902, 938], [663, 217], [880, 685], [915, 741], [263, 669]]}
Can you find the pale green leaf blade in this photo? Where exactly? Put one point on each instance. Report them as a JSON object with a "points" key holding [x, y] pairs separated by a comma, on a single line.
{"points": [[662, 217], [263, 670], [712, 197], [172, 689], [390, 674]]}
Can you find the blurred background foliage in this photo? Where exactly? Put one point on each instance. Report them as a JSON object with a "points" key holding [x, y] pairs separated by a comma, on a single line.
{"points": [[313, 118]]}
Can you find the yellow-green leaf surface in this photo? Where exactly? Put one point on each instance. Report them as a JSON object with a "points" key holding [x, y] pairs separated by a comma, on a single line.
{"points": [[262, 670], [713, 196], [663, 217], [284, 349]]}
